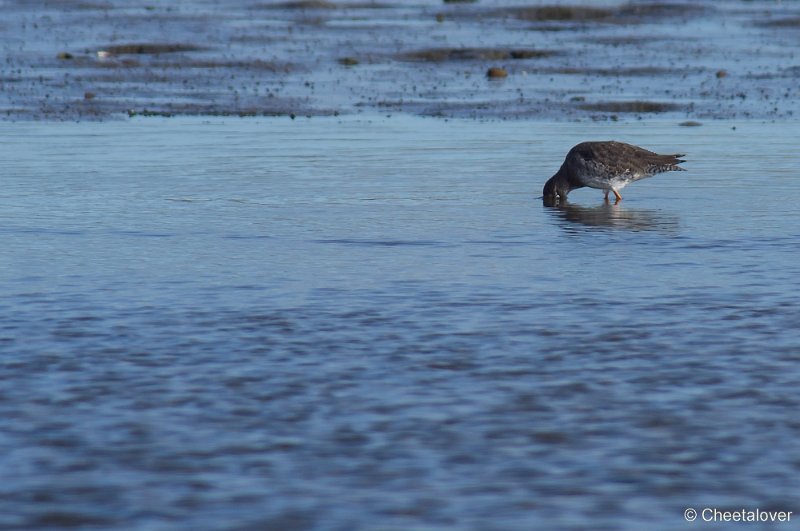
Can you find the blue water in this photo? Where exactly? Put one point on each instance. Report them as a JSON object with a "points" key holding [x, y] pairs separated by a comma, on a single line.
{"points": [[355, 323]]}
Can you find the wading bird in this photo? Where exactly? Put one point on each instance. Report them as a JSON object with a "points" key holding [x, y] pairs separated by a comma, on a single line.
{"points": [[609, 166]]}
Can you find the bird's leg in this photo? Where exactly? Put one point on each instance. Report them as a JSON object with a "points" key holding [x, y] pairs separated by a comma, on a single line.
{"points": [[616, 194], [606, 196]]}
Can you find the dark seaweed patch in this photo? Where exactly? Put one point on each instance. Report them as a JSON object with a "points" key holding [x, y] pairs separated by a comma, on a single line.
{"points": [[782, 23], [623, 14], [308, 4], [255, 65], [660, 10], [559, 13], [275, 107], [438, 55], [626, 40], [630, 106], [323, 4], [620, 72], [148, 49]]}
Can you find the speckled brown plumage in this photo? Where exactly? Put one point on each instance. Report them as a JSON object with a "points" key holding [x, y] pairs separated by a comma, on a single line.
{"points": [[609, 166]]}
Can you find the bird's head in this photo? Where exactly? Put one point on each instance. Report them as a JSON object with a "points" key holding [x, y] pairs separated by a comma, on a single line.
{"points": [[555, 191]]}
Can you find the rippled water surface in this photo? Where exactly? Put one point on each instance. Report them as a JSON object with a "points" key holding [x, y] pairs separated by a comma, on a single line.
{"points": [[362, 324]]}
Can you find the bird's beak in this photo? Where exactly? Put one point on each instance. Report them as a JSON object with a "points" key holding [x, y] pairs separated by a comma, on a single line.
{"points": [[551, 200]]}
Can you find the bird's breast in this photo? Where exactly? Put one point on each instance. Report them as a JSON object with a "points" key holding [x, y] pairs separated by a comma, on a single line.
{"points": [[608, 182]]}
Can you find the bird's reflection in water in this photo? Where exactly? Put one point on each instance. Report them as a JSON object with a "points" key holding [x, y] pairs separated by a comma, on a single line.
{"points": [[614, 216]]}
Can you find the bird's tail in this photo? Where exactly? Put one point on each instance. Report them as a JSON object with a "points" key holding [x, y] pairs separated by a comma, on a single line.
{"points": [[668, 163]]}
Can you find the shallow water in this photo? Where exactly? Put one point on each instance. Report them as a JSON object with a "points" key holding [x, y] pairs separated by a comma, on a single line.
{"points": [[360, 323]]}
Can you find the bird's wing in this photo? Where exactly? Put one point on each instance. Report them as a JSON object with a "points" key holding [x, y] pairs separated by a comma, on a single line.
{"points": [[618, 159]]}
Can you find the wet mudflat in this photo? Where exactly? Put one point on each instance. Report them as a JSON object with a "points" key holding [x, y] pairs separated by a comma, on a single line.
{"points": [[350, 323], [601, 61]]}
